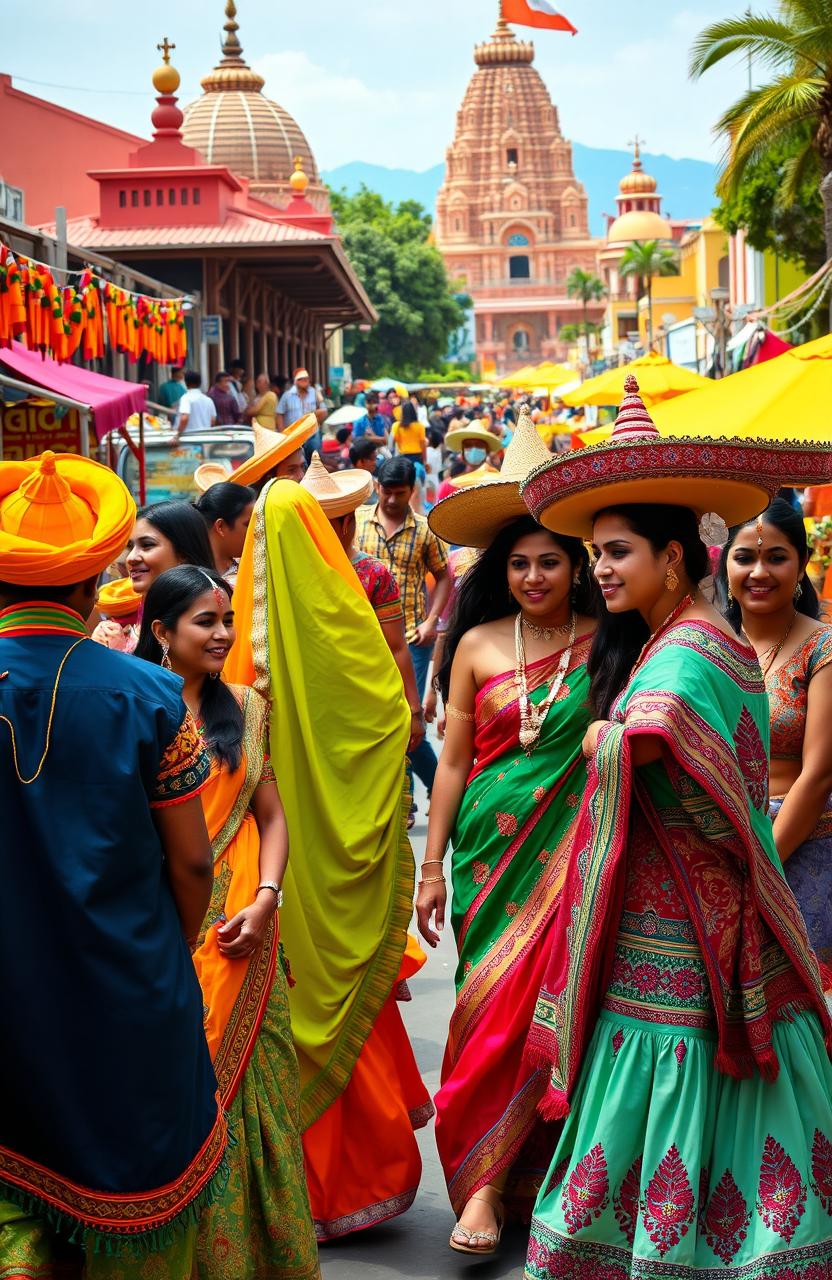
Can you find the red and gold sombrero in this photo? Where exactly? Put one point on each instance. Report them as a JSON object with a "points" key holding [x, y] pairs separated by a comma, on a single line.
{"points": [[734, 478]]}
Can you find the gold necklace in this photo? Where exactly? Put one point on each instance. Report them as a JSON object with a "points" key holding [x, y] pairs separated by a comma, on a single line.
{"points": [[776, 649], [531, 716], [544, 633], [28, 781]]}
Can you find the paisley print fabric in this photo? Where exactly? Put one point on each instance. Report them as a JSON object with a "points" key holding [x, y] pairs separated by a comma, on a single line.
{"points": [[788, 693]]}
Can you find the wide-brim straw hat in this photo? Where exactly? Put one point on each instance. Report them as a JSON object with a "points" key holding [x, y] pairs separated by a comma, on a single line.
{"points": [[474, 431], [473, 516], [271, 447], [339, 492], [211, 473], [736, 479]]}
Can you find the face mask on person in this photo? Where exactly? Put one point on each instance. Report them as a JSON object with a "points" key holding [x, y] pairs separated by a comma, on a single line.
{"points": [[476, 456]]}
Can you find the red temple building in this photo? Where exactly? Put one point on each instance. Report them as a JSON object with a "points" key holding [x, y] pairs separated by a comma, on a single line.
{"points": [[511, 217]]}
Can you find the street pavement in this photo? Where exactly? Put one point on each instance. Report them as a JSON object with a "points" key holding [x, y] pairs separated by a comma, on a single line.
{"points": [[415, 1245]]}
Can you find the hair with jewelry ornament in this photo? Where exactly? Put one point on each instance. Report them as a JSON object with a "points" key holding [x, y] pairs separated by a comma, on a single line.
{"points": [[783, 516], [170, 596], [483, 594]]}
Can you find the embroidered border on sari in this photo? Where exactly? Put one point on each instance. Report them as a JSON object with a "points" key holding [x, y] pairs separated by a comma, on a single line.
{"points": [[692, 749], [330, 1080], [139, 1213], [498, 1149], [501, 691]]}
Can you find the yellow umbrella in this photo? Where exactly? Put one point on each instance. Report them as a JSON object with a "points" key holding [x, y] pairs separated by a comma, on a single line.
{"points": [[658, 379], [781, 399], [549, 376], [786, 398], [522, 378]]}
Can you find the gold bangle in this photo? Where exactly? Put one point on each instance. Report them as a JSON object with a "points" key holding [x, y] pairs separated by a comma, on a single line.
{"points": [[432, 880], [456, 714], [433, 862]]}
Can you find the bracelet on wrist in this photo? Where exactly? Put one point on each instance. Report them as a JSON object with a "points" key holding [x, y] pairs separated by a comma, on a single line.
{"points": [[431, 880], [275, 888]]}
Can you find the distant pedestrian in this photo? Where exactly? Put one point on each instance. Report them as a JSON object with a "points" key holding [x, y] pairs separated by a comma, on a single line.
{"points": [[224, 400], [172, 390], [299, 399], [197, 412], [263, 409]]}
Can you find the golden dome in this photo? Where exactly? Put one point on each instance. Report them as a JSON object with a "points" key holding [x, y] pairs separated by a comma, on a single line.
{"points": [[639, 224], [299, 181], [637, 183], [235, 124]]}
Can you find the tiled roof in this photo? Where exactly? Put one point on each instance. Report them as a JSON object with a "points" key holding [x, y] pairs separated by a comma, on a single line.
{"points": [[238, 230]]}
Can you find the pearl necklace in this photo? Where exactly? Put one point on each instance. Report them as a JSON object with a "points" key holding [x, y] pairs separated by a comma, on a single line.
{"points": [[544, 633], [532, 717]]}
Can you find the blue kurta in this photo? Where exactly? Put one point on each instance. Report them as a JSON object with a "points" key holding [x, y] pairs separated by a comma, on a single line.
{"points": [[107, 1085]]}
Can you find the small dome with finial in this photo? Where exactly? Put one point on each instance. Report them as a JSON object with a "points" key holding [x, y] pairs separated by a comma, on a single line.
{"points": [[299, 181], [166, 78], [235, 124]]}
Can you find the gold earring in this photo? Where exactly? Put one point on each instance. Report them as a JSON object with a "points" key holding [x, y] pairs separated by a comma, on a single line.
{"points": [[730, 595], [165, 655], [671, 578]]}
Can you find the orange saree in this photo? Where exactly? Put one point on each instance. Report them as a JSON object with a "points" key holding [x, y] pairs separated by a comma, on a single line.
{"points": [[262, 1228]]}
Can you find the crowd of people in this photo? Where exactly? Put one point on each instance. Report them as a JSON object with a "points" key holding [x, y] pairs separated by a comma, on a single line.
{"points": [[211, 713]]}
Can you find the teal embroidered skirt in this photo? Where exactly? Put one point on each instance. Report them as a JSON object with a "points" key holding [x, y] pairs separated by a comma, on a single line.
{"points": [[667, 1167]]}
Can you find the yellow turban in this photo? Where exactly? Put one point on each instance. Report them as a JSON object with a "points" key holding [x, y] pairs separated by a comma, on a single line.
{"points": [[117, 599], [63, 519]]}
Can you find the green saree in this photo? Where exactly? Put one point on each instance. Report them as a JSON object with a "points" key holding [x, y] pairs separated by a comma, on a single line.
{"points": [[510, 850]]}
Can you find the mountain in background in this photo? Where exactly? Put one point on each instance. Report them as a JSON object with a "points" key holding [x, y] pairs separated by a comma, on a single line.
{"points": [[686, 186]]}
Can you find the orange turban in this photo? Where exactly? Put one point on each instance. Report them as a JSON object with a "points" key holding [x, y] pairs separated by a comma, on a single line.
{"points": [[117, 599], [63, 518]]}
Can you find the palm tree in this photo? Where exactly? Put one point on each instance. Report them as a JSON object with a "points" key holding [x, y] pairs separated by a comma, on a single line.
{"points": [[646, 259], [794, 107], [587, 287]]}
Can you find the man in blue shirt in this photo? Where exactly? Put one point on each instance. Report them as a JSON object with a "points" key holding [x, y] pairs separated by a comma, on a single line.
{"points": [[373, 423], [301, 398]]}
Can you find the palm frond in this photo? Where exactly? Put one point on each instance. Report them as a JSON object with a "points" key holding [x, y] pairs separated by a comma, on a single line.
{"points": [[797, 170], [773, 114], [769, 40]]}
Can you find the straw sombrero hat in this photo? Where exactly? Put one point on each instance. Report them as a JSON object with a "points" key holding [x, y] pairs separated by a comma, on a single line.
{"points": [[339, 492], [472, 516], [271, 447], [474, 431], [734, 478], [210, 473]]}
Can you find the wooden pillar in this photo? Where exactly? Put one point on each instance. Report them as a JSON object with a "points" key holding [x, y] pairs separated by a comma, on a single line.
{"points": [[264, 339], [249, 356]]}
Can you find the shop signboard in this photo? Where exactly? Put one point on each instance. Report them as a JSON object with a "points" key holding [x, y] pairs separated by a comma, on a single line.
{"points": [[27, 427]]}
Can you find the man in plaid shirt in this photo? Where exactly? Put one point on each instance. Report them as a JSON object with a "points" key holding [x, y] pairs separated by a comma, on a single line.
{"points": [[402, 540]]}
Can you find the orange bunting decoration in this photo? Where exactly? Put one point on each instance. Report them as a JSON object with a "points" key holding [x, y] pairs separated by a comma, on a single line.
{"points": [[58, 320]]}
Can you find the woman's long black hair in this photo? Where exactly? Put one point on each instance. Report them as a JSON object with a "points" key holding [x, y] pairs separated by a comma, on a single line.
{"points": [[224, 501], [783, 516], [184, 528], [483, 594], [170, 595], [621, 636]]}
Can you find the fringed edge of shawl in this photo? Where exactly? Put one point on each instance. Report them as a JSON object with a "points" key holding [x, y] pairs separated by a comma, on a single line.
{"points": [[126, 1242], [330, 1082]]}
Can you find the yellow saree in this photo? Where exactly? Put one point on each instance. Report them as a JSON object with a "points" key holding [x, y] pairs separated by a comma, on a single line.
{"points": [[307, 639]]}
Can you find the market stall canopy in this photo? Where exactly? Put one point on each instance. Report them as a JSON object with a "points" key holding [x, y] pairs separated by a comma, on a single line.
{"points": [[389, 384], [347, 414], [786, 398], [111, 400], [552, 376], [658, 379]]}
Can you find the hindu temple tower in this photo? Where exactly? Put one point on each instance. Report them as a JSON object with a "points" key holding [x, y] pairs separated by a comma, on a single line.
{"points": [[511, 217]]}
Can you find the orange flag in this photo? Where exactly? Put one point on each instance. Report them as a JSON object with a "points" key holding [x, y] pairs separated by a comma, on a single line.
{"points": [[536, 13]]}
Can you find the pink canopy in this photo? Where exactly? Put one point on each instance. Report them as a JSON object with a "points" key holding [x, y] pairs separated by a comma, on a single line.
{"points": [[111, 400]]}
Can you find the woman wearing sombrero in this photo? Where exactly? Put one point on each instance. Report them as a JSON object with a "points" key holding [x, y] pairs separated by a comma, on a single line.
{"points": [[682, 1015], [506, 795]]}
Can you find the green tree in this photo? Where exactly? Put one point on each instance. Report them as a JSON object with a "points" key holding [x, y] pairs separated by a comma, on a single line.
{"points": [[587, 287], [572, 332], [793, 231], [793, 108], [646, 259], [406, 280]]}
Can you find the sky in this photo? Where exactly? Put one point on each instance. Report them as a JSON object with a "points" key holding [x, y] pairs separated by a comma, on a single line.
{"points": [[381, 80]]}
